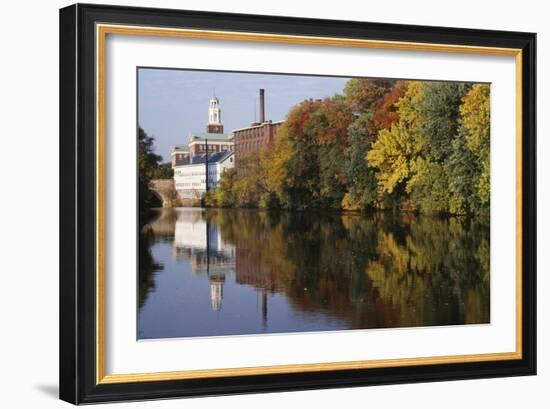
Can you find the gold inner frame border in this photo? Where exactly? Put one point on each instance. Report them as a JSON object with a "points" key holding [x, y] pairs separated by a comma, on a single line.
{"points": [[102, 30]]}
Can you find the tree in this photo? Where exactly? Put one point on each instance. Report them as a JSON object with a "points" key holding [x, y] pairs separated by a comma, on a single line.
{"points": [[476, 121], [163, 171], [224, 194], [315, 137], [386, 109], [417, 157], [373, 102], [331, 124], [467, 165], [148, 163], [302, 185], [362, 94], [409, 145], [439, 110], [439, 113], [250, 183], [361, 180], [398, 148], [274, 163], [429, 186], [463, 169]]}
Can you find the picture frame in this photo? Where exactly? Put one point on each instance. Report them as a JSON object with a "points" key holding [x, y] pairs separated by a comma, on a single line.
{"points": [[83, 218]]}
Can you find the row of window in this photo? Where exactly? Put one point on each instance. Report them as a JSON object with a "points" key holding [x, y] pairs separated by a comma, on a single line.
{"points": [[211, 171], [183, 185], [248, 146], [249, 134], [215, 147], [181, 173], [197, 184]]}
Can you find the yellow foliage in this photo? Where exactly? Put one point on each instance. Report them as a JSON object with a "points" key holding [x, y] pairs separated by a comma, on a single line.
{"points": [[398, 146], [274, 161], [476, 118]]}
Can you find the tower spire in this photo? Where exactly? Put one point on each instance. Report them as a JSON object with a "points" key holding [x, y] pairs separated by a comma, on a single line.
{"points": [[214, 124]]}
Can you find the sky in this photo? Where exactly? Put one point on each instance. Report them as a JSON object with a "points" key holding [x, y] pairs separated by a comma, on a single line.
{"points": [[173, 103]]}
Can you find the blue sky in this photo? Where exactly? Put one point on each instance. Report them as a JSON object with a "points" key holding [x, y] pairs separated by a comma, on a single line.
{"points": [[173, 103]]}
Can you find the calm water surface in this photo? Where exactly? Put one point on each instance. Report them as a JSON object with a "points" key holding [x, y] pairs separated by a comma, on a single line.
{"points": [[206, 272]]}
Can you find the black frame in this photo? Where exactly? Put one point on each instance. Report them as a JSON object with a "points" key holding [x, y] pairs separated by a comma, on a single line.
{"points": [[78, 210]]}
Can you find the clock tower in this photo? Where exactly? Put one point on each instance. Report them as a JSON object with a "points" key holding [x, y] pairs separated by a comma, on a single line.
{"points": [[214, 116]]}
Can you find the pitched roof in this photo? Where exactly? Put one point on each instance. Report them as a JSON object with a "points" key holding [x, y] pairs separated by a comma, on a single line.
{"points": [[212, 158], [183, 148]]}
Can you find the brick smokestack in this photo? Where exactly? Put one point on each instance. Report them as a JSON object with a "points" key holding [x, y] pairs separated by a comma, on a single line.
{"points": [[262, 106]]}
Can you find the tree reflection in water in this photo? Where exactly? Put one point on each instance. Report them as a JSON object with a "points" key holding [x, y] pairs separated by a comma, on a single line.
{"points": [[367, 271]]}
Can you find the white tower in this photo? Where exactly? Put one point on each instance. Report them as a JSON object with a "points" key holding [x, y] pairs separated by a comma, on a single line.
{"points": [[214, 112], [214, 116]]}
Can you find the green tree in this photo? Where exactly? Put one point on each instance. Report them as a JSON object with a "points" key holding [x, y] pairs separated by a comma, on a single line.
{"points": [[439, 110], [439, 113], [468, 163], [463, 168], [429, 187], [148, 163], [225, 196], [163, 171], [361, 180], [476, 122]]}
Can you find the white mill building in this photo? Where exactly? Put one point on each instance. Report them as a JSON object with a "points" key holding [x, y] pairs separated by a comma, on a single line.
{"points": [[199, 166]]}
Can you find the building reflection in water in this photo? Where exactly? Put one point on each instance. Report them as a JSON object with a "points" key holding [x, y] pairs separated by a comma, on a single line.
{"points": [[312, 271], [200, 241], [216, 291]]}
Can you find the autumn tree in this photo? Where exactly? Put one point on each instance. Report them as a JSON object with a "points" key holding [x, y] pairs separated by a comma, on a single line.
{"points": [[274, 162], [409, 145], [397, 151], [468, 165], [366, 98], [373, 104], [419, 155], [331, 123], [361, 180], [476, 121], [316, 131], [224, 194], [463, 168], [438, 110]]}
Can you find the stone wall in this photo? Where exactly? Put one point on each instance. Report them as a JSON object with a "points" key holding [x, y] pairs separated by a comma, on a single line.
{"points": [[165, 189]]}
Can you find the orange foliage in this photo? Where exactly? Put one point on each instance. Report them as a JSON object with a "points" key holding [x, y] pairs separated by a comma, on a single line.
{"points": [[386, 111]]}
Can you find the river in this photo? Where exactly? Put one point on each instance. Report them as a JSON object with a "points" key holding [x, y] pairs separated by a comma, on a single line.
{"points": [[209, 272]]}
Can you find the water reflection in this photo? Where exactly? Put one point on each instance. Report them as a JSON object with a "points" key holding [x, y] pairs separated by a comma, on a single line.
{"points": [[225, 272]]}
